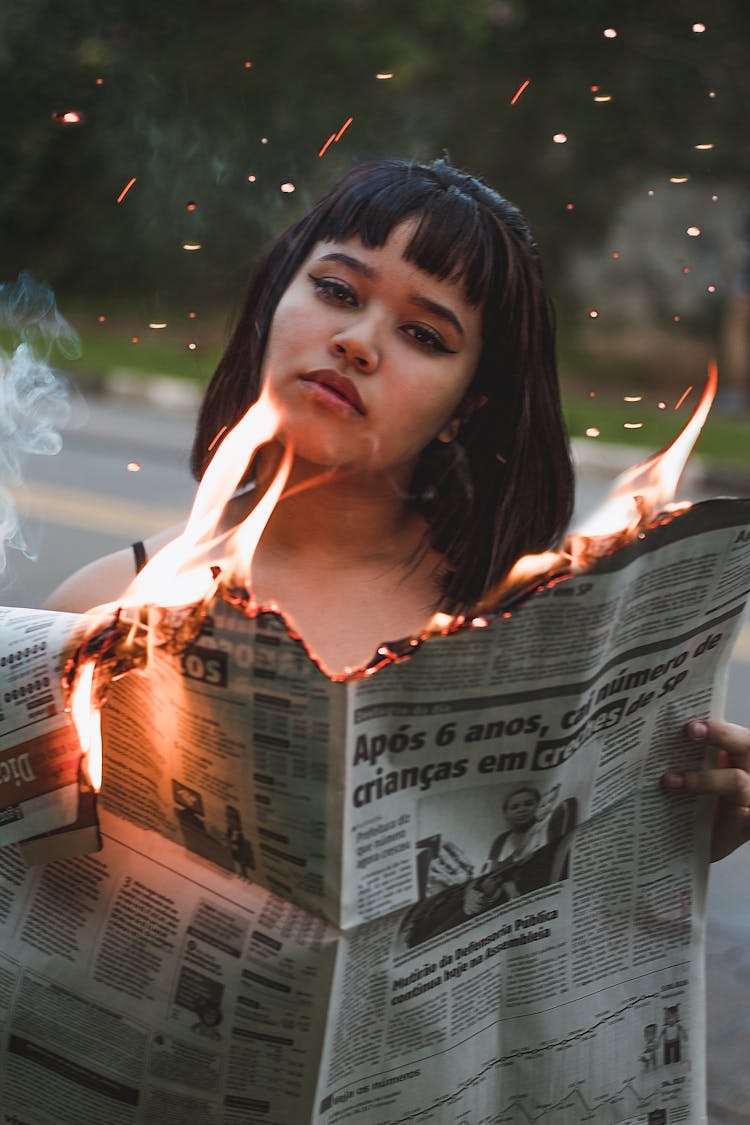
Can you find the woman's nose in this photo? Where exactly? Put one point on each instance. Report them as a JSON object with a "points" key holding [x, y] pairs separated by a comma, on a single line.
{"points": [[356, 348]]}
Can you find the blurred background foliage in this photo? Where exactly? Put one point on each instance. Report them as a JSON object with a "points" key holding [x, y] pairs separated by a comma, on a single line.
{"points": [[193, 100]]}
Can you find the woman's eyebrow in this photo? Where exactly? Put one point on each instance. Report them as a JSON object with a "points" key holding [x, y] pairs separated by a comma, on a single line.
{"points": [[353, 263], [372, 274], [437, 310]]}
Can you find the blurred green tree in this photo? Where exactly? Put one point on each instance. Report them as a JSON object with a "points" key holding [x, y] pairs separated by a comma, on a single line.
{"points": [[192, 102]]}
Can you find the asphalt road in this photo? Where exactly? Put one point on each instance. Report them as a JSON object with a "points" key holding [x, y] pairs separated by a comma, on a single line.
{"points": [[123, 473]]}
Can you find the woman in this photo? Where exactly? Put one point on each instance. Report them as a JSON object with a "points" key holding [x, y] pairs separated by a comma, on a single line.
{"points": [[403, 331]]}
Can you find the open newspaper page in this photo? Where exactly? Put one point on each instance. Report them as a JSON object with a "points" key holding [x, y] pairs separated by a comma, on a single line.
{"points": [[39, 749], [143, 984], [518, 908], [508, 781]]}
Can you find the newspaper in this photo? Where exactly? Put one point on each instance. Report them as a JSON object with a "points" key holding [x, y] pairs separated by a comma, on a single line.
{"points": [[448, 891]]}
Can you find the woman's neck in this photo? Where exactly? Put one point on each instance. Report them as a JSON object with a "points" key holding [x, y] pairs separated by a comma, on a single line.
{"points": [[343, 516]]}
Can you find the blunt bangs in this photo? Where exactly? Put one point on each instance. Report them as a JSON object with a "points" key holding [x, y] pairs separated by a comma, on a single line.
{"points": [[453, 238]]}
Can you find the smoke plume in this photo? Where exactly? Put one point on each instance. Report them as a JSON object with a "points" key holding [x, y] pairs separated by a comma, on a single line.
{"points": [[35, 401]]}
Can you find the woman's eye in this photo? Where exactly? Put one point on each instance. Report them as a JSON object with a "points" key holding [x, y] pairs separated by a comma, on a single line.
{"points": [[333, 290], [427, 338]]}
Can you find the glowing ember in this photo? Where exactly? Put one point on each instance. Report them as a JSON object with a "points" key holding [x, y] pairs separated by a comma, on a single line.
{"points": [[609, 33], [710, 288], [676, 318], [125, 190], [524, 85], [699, 28], [156, 324], [134, 339], [102, 319], [214, 440], [592, 431], [593, 313], [87, 722], [264, 140], [100, 81], [192, 315], [714, 198], [633, 398], [324, 148], [603, 98], [191, 206], [615, 254], [662, 405], [682, 398], [632, 425], [686, 269], [678, 179], [343, 129], [382, 76], [67, 117], [247, 64], [560, 138], [693, 231], [570, 206], [133, 466], [251, 179], [650, 191], [192, 346], [287, 188], [191, 246], [704, 148]]}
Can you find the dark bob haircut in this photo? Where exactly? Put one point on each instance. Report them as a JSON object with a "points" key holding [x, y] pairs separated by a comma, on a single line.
{"points": [[504, 487]]}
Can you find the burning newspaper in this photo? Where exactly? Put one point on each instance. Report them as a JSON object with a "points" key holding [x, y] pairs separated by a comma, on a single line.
{"points": [[449, 888]]}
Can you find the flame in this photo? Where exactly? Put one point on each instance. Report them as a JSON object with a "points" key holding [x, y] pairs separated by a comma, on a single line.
{"points": [[87, 721], [184, 572], [637, 497], [643, 491]]}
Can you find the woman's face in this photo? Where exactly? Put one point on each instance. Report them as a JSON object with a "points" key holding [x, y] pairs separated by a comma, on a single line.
{"points": [[369, 358]]}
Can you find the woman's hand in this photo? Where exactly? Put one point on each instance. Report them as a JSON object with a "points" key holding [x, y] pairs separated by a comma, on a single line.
{"points": [[729, 781]]}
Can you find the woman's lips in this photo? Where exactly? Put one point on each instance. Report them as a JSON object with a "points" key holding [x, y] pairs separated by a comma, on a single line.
{"points": [[335, 388]]}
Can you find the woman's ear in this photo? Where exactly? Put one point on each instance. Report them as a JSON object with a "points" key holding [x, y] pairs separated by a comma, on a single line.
{"points": [[466, 409]]}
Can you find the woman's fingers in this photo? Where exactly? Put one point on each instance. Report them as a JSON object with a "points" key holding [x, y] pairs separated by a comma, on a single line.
{"points": [[728, 781], [731, 784], [723, 736]]}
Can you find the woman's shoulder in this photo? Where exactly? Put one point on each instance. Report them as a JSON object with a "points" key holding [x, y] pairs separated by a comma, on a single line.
{"points": [[100, 581], [105, 579]]}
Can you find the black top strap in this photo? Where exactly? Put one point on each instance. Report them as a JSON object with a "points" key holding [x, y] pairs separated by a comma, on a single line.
{"points": [[141, 558]]}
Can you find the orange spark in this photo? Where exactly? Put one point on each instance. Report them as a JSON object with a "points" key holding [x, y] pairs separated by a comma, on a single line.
{"points": [[526, 82], [329, 142], [683, 397], [214, 440], [632, 425], [592, 431], [125, 190], [133, 467], [343, 129]]}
